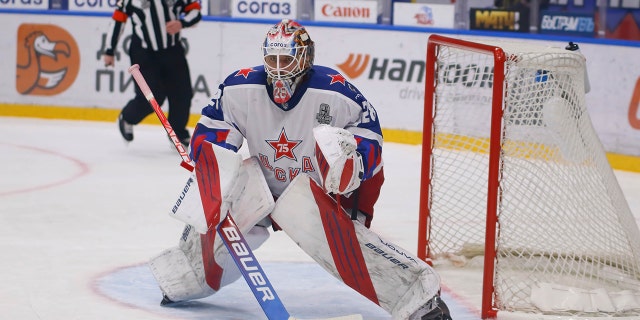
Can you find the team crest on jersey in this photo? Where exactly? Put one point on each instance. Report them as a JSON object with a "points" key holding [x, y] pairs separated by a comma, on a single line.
{"points": [[324, 115], [337, 78], [283, 147], [244, 72]]}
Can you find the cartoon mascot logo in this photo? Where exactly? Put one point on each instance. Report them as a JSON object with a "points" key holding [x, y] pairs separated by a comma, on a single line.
{"points": [[48, 60]]}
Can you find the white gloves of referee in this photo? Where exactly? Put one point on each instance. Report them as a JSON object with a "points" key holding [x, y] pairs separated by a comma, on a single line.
{"points": [[339, 165]]}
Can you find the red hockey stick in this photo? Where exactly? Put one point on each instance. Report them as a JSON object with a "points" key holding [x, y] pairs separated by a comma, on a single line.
{"points": [[134, 70]]}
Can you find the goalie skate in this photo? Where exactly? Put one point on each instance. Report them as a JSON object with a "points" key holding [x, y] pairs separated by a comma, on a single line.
{"points": [[434, 309]]}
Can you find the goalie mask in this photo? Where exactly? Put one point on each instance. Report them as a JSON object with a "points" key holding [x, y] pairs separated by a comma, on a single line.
{"points": [[288, 53]]}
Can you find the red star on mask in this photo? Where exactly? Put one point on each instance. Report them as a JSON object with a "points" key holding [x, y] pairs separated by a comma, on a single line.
{"points": [[283, 146], [336, 78], [244, 72]]}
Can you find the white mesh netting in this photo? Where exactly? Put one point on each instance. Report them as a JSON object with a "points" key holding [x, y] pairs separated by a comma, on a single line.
{"points": [[567, 242]]}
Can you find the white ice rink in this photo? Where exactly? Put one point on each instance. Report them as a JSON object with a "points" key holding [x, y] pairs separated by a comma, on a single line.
{"points": [[81, 213]]}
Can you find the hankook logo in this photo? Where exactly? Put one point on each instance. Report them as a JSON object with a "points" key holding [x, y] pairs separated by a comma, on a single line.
{"points": [[413, 71], [355, 65]]}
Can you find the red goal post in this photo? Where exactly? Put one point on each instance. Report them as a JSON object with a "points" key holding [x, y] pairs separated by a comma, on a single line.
{"points": [[515, 182]]}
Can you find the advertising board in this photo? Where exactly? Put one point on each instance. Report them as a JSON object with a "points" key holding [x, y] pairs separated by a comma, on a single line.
{"points": [[386, 65], [567, 24], [423, 15], [25, 4], [622, 17], [362, 11], [498, 20], [270, 9]]}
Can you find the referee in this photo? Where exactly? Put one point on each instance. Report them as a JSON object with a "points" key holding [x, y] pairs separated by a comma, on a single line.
{"points": [[156, 47]]}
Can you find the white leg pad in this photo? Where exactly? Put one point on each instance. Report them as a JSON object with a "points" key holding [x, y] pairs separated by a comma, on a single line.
{"points": [[424, 288], [218, 168], [178, 277], [253, 200], [255, 237], [393, 278], [180, 272]]}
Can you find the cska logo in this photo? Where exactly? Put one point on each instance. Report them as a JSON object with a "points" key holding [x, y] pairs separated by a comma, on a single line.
{"points": [[244, 72], [284, 147], [337, 78]]}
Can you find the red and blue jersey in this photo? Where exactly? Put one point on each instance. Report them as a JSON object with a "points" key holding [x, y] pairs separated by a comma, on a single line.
{"points": [[281, 135]]}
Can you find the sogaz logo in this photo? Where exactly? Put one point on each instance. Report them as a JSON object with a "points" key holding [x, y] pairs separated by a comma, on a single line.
{"points": [[48, 60]]}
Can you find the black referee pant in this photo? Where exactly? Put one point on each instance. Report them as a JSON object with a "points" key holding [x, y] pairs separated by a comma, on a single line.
{"points": [[167, 73]]}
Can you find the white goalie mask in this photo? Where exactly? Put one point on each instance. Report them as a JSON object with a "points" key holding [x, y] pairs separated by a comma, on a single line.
{"points": [[287, 50]]}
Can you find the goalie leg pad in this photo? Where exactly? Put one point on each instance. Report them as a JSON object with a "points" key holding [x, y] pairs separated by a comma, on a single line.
{"points": [[206, 255], [204, 199], [252, 198], [379, 270], [248, 192], [252, 203], [220, 269], [180, 271]]}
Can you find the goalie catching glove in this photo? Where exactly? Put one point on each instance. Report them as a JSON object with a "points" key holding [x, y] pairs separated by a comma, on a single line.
{"points": [[339, 165]]}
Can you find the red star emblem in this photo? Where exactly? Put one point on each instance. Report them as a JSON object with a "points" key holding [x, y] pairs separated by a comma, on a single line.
{"points": [[336, 78], [283, 146], [244, 72]]}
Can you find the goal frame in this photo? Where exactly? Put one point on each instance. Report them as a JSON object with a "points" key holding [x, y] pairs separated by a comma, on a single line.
{"points": [[515, 184], [499, 58]]}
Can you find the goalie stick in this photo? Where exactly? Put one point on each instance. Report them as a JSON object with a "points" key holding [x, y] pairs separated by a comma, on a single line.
{"points": [[229, 233]]}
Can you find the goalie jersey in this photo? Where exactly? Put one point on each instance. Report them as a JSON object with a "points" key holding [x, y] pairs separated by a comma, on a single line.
{"points": [[280, 136]]}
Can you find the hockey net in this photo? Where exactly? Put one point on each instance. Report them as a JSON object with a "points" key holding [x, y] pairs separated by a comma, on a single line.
{"points": [[516, 183]]}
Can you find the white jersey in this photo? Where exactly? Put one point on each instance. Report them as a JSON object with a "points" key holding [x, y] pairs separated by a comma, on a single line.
{"points": [[281, 136]]}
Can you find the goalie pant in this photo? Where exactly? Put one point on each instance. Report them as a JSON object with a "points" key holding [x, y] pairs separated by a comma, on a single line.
{"points": [[382, 272]]}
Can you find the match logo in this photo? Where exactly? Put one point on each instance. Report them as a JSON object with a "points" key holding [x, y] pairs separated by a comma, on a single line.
{"points": [[48, 60], [355, 65]]}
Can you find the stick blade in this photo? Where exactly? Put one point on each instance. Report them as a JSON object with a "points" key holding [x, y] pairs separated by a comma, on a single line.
{"points": [[347, 317]]}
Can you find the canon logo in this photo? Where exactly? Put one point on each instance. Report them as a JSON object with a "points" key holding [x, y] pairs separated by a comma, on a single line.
{"points": [[331, 10]]}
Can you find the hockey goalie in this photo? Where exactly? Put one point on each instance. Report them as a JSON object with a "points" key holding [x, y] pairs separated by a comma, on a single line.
{"points": [[314, 172]]}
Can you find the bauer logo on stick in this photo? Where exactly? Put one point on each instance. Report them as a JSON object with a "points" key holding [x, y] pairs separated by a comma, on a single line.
{"points": [[248, 263]]}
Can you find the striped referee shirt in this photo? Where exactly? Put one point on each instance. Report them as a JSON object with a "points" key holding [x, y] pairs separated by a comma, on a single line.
{"points": [[149, 18]]}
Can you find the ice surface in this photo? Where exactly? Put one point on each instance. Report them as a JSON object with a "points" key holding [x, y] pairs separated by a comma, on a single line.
{"points": [[81, 212]]}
